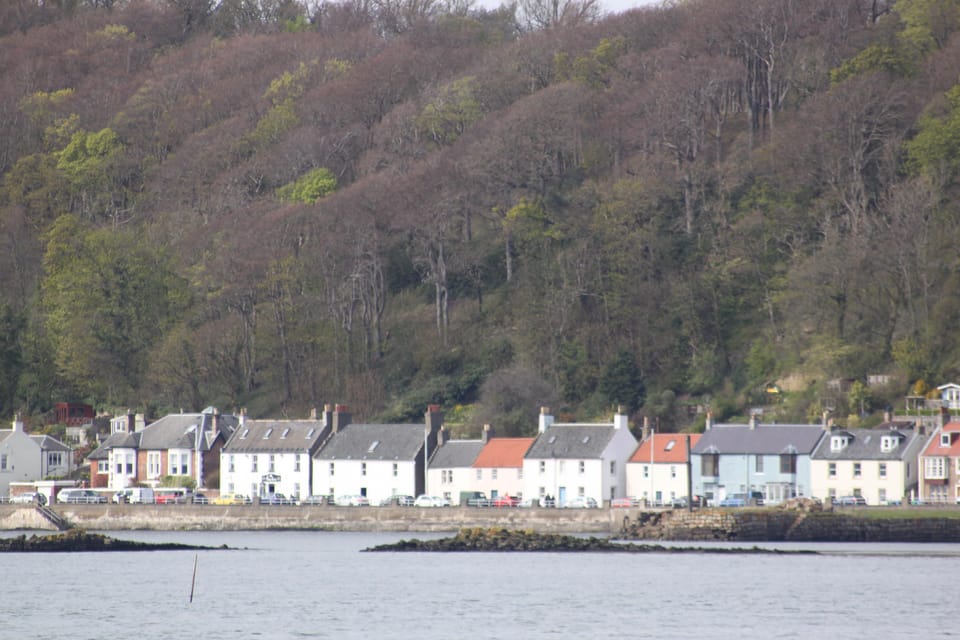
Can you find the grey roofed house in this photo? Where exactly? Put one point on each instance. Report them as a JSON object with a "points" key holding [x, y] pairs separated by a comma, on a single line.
{"points": [[454, 454], [895, 440], [119, 440], [277, 436], [572, 441], [374, 442], [759, 439], [176, 430]]}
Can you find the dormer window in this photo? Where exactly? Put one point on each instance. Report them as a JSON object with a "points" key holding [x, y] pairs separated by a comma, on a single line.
{"points": [[245, 433], [944, 439], [889, 443], [670, 445], [285, 433], [837, 443], [266, 434]]}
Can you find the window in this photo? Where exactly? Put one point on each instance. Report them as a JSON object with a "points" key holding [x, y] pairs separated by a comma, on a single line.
{"points": [[831, 493], [285, 433], [837, 443], [856, 470], [673, 471], [310, 433], [882, 468], [882, 495], [710, 464], [296, 463], [646, 471], [519, 473], [670, 445], [54, 459], [272, 463], [296, 489], [934, 468], [254, 463], [493, 474], [373, 446], [331, 473], [888, 443], [153, 464], [944, 439], [581, 467], [103, 466], [245, 433], [543, 466], [613, 467], [396, 469], [758, 464], [788, 463], [3, 461], [129, 464], [231, 463], [832, 469], [479, 474], [580, 492], [363, 468]]}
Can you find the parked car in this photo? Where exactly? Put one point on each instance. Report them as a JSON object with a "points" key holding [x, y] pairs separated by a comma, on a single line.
{"points": [[352, 501], [277, 499], [397, 501], [170, 496], [624, 503], [30, 497], [742, 500], [314, 501], [474, 499], [424, 500], [199, 498], [506, 501], [851, 501], [547, 501], [80, 496], [231, 499], [581, 502], [681, 502]]}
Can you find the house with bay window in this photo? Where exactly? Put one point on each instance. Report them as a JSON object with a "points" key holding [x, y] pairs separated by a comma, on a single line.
{"points": [[939, 464], [178, 444], [770, 459], [267, 457], [878, 464]]}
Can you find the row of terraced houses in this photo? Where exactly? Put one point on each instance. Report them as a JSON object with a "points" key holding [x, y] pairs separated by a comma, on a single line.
{"points": [[904, 458]]}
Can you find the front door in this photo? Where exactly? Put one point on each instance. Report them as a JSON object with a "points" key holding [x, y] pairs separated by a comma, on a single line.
{"points": [[562, 497]]}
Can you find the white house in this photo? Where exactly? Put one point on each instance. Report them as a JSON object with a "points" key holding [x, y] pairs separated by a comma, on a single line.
{"points": [[950, 395], [27, 458], [450, 469], [570, 460], [657, 471], [375, 460], [267, 457]]}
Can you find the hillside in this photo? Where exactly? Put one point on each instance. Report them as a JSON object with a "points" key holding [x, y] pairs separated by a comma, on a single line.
{"points": [[278, 205]]}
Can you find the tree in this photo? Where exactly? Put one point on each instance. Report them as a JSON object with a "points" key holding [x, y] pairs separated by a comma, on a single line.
{"points": [[622, 383]]}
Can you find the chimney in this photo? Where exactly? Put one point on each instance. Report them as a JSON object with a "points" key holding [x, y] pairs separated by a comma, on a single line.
{"points": [[313, 413], [243, 416], [944, 416], [444, 437], [341, 417], [18, 422], [825, 420], [545, 419], [215, 422], [131, 421], [433, 418], [620, 420], [709, 423], [753, 421], [645, 431], [487, 433], [886, 416], [327, 416]]}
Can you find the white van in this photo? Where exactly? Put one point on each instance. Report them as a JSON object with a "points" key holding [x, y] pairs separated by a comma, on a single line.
{"points": [[140, 495]]}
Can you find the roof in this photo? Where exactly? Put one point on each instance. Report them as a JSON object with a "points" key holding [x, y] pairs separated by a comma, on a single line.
{"points": [[770, 439], [572, 441], [865, 444], [276, 436], [456, 453], [118, 440], [49, 443], [668, 448], [374, 442], [935, 449], [503, 452], [176, 430]]}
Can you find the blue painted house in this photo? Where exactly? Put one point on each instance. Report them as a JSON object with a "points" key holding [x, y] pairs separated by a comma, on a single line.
{"points": [[772, 459]]}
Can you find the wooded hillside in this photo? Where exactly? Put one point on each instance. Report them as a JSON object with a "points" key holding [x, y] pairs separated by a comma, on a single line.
{"points": [[276, 205]]}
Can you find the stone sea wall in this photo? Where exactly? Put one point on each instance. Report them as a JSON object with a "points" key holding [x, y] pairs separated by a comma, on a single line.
{"points": [[737, 525]]}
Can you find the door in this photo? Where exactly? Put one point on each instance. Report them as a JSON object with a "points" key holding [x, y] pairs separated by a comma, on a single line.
{"points": [[562, 497]]}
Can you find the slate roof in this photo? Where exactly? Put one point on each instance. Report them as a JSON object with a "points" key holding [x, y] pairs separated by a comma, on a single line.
{"points": [[173, 431], [503, 453], [456, 453], [864, 444], [49, 443], [355, 442], [772, 439], [119, 440], [571, 441], [279, 436], [668, 448]]}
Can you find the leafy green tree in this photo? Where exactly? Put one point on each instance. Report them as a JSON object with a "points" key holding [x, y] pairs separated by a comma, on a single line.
{"points": [[107, 297], [451, 111], [11, 357], [310, 187], [936, 147], [622, 383]]}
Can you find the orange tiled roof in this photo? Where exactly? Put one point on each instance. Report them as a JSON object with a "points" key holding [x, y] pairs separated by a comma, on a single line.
{"points": [[935, 449], [503, 452], [667, 447]]}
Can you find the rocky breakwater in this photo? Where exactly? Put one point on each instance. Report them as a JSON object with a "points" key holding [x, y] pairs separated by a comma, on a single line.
{"points": [[78, 540], [801, 520], [506, 540]]}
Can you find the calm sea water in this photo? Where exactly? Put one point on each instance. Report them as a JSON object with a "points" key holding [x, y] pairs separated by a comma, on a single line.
{"points": [[320, 585]]}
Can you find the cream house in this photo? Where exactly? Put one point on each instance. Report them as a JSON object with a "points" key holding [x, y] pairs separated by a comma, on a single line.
{"points": [[657, 471]]}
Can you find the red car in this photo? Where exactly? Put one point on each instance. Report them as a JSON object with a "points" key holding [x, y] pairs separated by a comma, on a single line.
{"points": [[505, 501]]}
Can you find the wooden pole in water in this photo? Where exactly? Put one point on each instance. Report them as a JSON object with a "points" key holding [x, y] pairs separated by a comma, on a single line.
{"points": [[193, 582]]}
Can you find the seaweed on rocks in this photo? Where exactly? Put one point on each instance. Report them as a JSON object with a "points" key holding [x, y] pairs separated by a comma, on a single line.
{"points": [[79, 540]]}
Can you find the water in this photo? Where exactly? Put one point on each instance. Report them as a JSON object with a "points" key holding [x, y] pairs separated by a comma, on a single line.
{"points": [[319, 585]]}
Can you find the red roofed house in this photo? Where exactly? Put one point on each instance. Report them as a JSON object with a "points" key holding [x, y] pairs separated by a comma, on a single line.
{"points": [[940, 466], [657, 470], [498, 470]]}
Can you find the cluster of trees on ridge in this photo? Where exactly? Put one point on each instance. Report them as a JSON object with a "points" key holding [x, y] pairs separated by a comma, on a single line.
{"points": [[273, 204]]}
